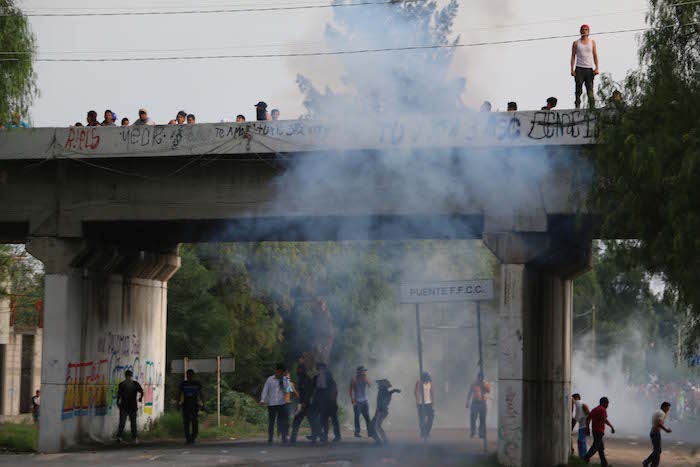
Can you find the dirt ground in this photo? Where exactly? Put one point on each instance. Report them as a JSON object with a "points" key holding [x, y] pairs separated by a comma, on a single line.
{"points": [[626, 450]]}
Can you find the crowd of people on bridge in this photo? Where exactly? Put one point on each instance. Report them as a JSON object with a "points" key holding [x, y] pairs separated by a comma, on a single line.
{"points": [[584, 69]]}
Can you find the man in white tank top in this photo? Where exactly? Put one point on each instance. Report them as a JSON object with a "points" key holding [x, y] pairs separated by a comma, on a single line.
{"points": [[584, 57]]}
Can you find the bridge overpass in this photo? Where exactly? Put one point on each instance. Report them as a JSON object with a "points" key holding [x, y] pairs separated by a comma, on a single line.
{"points": [[105, 208]]}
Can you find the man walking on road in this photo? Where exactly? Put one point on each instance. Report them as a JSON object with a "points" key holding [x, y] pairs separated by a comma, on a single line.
{"points": [[657, 424], [360, 402], [599, 418], [477, 394], [584, 56], [126, 401], [581, 413], [190, 391], [305, 390], [273, 397]]}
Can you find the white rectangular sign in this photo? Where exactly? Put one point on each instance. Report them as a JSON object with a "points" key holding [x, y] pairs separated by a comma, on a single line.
{"points": [[203, 365], [447, 291]]}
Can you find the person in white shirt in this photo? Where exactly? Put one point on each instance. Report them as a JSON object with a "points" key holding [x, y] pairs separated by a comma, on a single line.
{"points": [[143, 119], [657, 424], [273, 396], [580, 414], [584, 56]]}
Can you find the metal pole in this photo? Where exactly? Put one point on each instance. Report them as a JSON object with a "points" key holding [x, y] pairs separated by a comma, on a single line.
{"points": [[481, 364], [218, 391], [593, 331], [420, 370], [184, 364]]}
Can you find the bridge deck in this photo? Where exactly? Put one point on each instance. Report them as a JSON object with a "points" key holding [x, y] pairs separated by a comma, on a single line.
{"points": [[565, 127]]}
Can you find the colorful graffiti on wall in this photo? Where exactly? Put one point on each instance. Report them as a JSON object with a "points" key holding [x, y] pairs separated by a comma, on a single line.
{"points": [[91, 386]]}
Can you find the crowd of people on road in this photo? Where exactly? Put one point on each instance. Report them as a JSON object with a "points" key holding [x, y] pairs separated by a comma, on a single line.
{"points": [[593, 422], [317, 401]]}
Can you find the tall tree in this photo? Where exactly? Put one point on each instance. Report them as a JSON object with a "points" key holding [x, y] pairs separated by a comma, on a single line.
{"points": [[647, 160], [400, 82], [18, 51]]}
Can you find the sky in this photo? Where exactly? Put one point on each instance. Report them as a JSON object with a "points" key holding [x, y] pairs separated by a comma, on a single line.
{"points": [[216, 90]]}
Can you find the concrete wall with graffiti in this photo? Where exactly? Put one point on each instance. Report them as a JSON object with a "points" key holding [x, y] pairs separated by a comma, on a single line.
{"points": [[472, 129], [122, 328]]}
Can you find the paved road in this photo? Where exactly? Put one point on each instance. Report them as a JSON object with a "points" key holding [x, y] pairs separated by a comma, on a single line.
{"points": [[447, 448]]}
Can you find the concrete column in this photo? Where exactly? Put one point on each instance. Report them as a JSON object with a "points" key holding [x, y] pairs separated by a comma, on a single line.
{"points": [[104, 313], [36, 360], [535, 311], [12, 375]]}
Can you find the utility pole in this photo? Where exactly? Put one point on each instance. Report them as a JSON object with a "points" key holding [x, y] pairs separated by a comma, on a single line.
{"points": [[481, 365], [420, 371], [593, 331], [678, 356]]}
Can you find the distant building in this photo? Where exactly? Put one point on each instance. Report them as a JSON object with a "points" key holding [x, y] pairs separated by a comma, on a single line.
{"points": [[20, 364]]}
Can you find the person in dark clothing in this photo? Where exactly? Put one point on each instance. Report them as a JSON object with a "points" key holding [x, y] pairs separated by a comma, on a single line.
{"points": [[36, 402], [324, 405], [382, 411], [189, 393], [126, 401], [305, 389]]}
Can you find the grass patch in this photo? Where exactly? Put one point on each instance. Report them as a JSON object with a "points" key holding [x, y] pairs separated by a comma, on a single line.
{"points": [[169, 426], [18, 437]]}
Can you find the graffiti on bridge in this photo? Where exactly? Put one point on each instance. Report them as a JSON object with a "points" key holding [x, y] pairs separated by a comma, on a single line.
{"points": [[91, 387]]}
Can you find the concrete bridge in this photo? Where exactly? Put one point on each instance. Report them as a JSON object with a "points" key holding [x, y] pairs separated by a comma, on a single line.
{"points": [[105, 208]]}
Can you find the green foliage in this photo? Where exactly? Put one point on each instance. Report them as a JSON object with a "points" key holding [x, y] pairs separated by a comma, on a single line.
{"points": [[197, 325], [18, 436], [17, 77], [169, 426], [624, 304], [238, 406], [22, 279], [647, 162]]}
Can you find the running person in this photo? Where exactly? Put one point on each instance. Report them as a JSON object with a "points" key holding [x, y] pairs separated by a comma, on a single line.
{"points": [[599, 418], [657, 424]]}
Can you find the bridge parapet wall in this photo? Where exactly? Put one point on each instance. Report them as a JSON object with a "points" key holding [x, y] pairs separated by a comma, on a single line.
{"points": [[565, 127]]}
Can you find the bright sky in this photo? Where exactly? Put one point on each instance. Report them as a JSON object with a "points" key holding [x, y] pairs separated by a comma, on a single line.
{"points": [[220, 89]]}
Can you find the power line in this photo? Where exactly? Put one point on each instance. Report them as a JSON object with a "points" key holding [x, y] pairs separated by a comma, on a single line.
{"points": [[226, 10], [344, 52], [214, 11]]}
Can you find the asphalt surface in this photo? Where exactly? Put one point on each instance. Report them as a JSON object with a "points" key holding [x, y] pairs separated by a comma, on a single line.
{"points": [[448, 447]]}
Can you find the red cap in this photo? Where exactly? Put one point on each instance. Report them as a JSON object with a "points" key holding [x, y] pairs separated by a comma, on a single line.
{"points": [[585, 26]]}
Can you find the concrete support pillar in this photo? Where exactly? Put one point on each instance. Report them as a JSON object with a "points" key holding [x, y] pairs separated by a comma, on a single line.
{"points": [[12, 375], [104, 313], [535, 311]]}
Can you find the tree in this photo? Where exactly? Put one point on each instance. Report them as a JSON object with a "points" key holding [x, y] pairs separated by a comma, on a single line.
{"points": [[400, 82], [647, 160], [18, 47]]}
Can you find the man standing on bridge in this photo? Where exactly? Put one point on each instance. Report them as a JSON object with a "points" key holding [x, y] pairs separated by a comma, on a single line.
{"points": [[126, 401], [584, 56], [599, 418]]}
